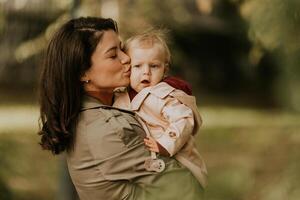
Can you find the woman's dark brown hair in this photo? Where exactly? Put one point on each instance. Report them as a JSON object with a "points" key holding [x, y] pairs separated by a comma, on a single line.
{"points": [[67, 57]]}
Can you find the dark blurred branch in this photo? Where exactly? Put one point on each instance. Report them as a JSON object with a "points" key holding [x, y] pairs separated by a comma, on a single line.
{"points": [[74, 7]]}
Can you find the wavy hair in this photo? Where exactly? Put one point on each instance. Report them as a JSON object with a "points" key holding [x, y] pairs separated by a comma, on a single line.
{"points": [[149, 38], [67, 57]]}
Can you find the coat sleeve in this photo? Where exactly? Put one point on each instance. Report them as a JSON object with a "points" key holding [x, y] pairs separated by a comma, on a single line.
{"points": [[181, 124], [116, 147]]}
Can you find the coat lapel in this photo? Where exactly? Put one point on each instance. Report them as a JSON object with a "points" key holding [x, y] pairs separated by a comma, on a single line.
{"points": [[160, 90], [139, 98]]}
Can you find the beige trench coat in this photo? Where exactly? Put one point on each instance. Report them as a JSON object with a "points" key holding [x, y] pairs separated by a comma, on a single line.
{"points": [[107, 161], [172, 118], [101, 164]]}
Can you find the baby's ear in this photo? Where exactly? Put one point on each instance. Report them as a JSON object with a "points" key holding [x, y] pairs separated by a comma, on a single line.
{"points": [[167, 67]]}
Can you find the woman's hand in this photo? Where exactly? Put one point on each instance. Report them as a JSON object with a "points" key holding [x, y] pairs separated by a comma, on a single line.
{"points": [[154, 146]]}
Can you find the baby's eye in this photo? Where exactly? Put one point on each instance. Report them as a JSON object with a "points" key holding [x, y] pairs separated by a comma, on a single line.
{"points": [[136, 66], [154, 65]]}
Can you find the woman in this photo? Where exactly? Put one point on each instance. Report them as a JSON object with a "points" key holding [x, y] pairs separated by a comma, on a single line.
{"points": [[106, 156]]}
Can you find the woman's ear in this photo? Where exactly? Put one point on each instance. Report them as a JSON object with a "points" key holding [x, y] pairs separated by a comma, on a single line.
{"points": [[85, 78]]}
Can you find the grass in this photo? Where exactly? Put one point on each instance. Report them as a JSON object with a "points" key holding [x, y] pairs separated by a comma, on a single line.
{"points": [[251, 154], [27, 172]]}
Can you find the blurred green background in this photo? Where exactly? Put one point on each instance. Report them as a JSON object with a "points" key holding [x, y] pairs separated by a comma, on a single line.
{"points": [[242, 58]]}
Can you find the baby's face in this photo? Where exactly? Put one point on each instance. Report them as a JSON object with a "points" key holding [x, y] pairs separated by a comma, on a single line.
{"points": [[147, 66]]}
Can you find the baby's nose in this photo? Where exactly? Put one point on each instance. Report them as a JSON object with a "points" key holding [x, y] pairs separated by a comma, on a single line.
{"points": [[146, 70]]}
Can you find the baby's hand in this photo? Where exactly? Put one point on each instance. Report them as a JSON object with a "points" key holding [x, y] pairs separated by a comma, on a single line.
{"points": [[151, 144], [154, 146]]}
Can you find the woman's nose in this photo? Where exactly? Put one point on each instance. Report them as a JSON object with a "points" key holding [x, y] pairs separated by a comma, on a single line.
{"points": [[125, 59]]}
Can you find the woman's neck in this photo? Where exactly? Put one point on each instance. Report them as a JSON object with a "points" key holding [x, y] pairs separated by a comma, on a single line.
{"points": [[106, 97]]}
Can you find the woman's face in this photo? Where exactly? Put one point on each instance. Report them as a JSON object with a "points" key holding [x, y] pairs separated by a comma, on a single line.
{"points": [[110, 65]]}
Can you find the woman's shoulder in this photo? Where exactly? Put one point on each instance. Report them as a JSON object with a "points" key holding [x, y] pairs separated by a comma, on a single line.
{"points": [[91, 115], [101, 114], [94, 111]]}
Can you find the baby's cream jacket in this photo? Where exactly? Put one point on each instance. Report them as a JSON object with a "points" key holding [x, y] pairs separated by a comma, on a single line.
{"points": [[171, 117]]}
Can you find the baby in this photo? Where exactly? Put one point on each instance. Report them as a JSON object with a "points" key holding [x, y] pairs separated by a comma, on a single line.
{"points": [[169, 114]]}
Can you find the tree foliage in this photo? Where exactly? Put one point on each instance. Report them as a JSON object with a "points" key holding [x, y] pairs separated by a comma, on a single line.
{"points": [[224, 47]]}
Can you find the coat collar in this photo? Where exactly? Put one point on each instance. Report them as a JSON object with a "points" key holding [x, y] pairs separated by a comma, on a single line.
{"points": [[93, 103], [160, 90]]}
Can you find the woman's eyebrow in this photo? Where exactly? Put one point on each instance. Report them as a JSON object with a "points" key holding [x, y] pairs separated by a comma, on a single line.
{"points": [[114, 47]]}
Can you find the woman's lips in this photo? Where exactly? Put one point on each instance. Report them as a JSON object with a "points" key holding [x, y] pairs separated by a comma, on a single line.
{"points": [[127, 73]]}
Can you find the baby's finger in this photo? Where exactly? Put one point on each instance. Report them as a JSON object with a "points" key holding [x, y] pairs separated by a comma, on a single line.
{"points": [[151, 139], [146, 140], [153, 149]]}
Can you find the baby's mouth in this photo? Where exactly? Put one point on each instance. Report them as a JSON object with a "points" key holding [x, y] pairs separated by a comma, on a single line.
{"points": [[145, 81]]}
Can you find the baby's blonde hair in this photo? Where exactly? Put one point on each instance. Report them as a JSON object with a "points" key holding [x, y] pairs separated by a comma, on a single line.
{"points": [[149, 38]]}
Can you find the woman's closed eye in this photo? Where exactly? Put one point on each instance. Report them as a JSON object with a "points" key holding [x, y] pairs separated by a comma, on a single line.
{"points": [[113, 56]]}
